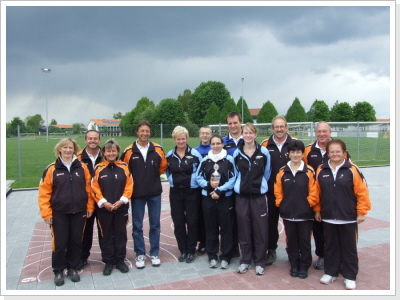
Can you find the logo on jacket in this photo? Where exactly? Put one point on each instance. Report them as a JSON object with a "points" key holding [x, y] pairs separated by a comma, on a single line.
{"points": [[323, 176], [76, 174], [103, 176], [60, 174], [259, 157], [116, 176], [313, 155], [341, 176]]}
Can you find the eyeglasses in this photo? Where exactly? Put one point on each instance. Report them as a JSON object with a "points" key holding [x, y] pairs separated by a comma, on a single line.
{"points": [[279, 127]]}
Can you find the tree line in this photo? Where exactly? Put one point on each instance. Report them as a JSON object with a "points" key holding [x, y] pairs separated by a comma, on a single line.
{"points": [[209, 104]]}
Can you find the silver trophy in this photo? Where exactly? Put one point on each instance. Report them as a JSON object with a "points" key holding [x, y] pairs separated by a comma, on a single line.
{"points": [[215, 176]]}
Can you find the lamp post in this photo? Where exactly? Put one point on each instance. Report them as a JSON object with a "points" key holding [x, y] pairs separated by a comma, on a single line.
{"points": [[242, 101], [46, 70]]}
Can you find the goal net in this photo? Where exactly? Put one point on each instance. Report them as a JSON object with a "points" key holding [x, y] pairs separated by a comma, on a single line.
{"points": [[27, 136]]}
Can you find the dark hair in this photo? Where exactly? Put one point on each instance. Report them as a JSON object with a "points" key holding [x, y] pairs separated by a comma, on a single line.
{"points": [[337, 142], [233, 114], [92, 130], [142, 123], [217, 136], [294, 145]]}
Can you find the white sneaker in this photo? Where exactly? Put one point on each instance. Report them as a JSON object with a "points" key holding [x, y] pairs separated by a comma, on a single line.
{"points": [[140, 261], [327, 279], [243, 268], [213, 263], [350, 284], [155, 261], [224, 264], [260, 270]]}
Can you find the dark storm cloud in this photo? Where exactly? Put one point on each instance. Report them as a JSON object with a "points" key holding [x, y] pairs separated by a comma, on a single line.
{"points": [[94, 33]]}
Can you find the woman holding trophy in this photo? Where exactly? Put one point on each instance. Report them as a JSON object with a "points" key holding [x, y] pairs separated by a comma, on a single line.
{"points": [[216, 176]]}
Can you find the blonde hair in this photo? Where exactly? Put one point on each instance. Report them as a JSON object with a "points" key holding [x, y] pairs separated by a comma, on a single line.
{"points": [[61, 143], [178, 130], [251, 127]]}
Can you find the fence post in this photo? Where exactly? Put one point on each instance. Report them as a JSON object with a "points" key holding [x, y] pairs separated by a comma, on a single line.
{"points": [[220, 130], [19, 154], [161, 135]]}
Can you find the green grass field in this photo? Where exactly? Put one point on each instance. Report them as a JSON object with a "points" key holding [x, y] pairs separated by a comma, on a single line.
{"points": [[36, 154]]}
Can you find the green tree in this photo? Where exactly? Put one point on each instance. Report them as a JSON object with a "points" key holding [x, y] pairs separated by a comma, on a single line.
{"points": [[12, 130], [77, 128], [53, 122], [319, 111], [34, 123], [213, 116], [118, 115], [169, 111], [247, 115], [296, 112], [267, 113], [203, 96], [229, 106], [364, 112], [130, 119], [184, 99], [341, 112]]}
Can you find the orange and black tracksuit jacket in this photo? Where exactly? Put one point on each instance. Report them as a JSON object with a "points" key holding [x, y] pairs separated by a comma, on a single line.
{"points": [[83, 156], [342, 198], [145, 174], [312, 156], [295, 194], [278, 158], [111, 181], [65, 192]]}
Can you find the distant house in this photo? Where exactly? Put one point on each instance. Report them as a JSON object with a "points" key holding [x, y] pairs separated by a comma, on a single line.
{"points": [[106, 127], [254, 113], [63, 127]]}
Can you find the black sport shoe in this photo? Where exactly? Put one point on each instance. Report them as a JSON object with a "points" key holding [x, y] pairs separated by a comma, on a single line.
{"points": [[294, 272], [108, 269], [122, 266], [182, 257], [82, 264], [189, 258], [319, 264], [58, 278], [73, 275], [271, 257], [303, 274]]}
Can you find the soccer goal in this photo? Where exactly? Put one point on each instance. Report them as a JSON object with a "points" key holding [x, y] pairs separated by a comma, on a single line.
{"points": [[27, 136], [56, 135]]}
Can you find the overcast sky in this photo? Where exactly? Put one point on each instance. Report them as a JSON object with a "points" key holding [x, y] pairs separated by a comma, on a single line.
{"points": [[104, 59]]}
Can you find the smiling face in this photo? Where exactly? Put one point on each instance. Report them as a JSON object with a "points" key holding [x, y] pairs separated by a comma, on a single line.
{"points": [[216, 144], [336, 153], [111, 153], [296, 156], [279, 128], [249, 135], [205, 135], [323, 133], [234, 126], [67, 151], [143, 134], [92, 139], [181, 141]]}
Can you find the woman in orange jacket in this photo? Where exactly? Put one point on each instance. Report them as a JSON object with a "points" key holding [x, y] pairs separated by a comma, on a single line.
{"points": [[65, 201], [295, 194], [112, 186]]}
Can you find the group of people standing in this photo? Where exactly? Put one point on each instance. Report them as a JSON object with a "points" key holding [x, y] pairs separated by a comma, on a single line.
{"points": [[226, 197]]}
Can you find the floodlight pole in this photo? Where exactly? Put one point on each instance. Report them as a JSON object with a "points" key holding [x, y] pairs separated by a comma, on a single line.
{"points": [[46, 71], [242, 101]]}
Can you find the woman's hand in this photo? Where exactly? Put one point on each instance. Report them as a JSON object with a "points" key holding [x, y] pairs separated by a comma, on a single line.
{"points": [[117, 204], [49, 221], [108, 206], [214, 195], [318, 216], [360, 219], [89, 214]]}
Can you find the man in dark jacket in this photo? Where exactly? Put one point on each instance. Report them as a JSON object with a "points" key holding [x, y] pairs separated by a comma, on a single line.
{"points": [[91, 156], [277, 147]]}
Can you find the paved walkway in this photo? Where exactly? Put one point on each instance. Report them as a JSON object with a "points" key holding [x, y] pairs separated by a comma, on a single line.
{"points": [[28, 259]]}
